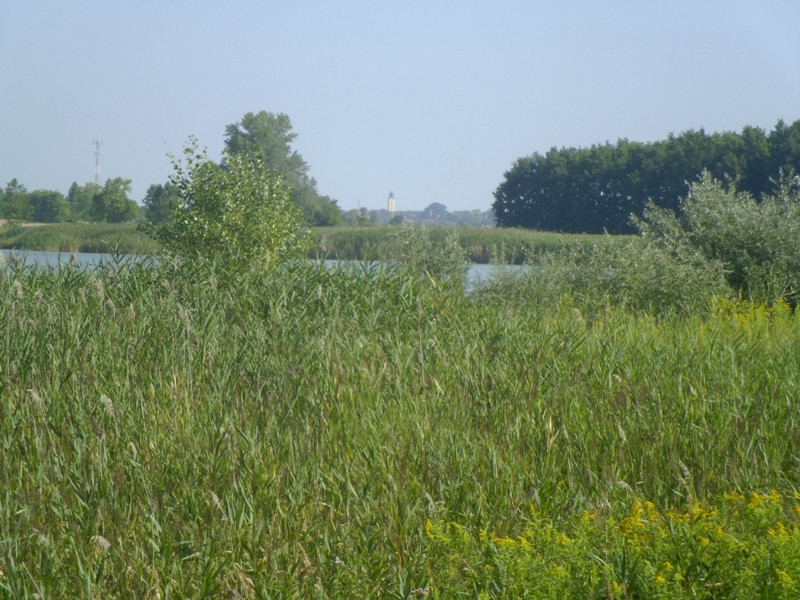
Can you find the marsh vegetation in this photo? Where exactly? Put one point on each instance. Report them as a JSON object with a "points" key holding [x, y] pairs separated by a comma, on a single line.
{"points": [[193, 429]]}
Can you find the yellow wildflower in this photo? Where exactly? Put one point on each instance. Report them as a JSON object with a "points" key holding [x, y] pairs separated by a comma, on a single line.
{"points": [[734, 497]]}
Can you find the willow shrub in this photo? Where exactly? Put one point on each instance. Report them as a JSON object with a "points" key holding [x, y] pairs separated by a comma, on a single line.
{"points": [[754, 241], [722, 244], [627, 273]]}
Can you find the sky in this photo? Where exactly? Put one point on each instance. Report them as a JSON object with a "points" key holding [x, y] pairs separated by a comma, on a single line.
{"points": [[432, 100]]}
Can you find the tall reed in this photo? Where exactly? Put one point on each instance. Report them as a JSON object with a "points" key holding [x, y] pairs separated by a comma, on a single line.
{"points": [[172, 430]]}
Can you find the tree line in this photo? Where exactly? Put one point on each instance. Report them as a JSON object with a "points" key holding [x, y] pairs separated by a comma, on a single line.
{"points": [[262, 138], [109, 203], [597, 189]]}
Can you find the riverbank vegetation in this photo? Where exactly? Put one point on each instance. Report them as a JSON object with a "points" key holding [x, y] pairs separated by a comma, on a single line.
{"points": [[481, 245], [77, 237], [380, 242], [181, 428]]}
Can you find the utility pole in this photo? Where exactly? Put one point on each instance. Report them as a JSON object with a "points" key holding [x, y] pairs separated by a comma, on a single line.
{"points": [[97, 144]]}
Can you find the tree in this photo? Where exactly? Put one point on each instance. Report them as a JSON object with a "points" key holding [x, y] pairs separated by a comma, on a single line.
{"points": [[597, 189], [15, 203], [240, 213], [436, 210], [266, 138], [80, 199], [159, 201], [112, 204], [757, 173], [784, 144], [49, 206]]}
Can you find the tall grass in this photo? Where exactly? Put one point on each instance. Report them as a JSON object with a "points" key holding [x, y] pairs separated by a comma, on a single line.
{"points": [[169, 430], [481, 245]]}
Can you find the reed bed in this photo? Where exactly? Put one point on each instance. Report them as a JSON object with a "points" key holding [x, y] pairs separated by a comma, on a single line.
{"points": [[77, 237], [173, 431], [482, 245]]}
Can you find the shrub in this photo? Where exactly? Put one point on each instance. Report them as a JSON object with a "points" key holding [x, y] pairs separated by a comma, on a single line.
{"points": [[755, 242], [723, 243], [241, 213], [631, 273]]}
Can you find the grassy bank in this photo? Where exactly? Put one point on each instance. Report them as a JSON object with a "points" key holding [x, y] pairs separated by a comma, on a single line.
{"points": [[373, 433], [77, 237]]}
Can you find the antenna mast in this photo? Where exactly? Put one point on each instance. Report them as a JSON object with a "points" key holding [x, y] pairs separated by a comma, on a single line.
{"points": [[97, 144]]}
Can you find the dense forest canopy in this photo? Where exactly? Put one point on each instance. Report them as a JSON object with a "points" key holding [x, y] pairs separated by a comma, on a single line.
{"points": [[596, 189]]}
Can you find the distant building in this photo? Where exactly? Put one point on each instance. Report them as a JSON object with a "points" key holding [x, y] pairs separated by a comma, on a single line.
{"points": [[390, 203]]}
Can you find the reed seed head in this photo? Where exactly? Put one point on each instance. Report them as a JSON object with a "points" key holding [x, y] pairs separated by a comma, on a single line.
{"points": [[36, 399], [101, 543], [100, 287], [109, 405]]}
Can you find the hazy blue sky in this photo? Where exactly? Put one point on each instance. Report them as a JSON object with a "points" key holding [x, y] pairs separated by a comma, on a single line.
{"points": [[432, 100]]}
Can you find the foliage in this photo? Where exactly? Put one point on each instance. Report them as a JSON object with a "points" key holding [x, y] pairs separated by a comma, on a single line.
{"points": [[625, 272], [265, 139], [240, 213], [482, 245], [49, 206], [435, 210], [596, 189], [722, 243], [109, 203], [79, 237], [754, 242], [14, 204], [187, 432], [158, 203], [112, 205], [80, 199]]}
